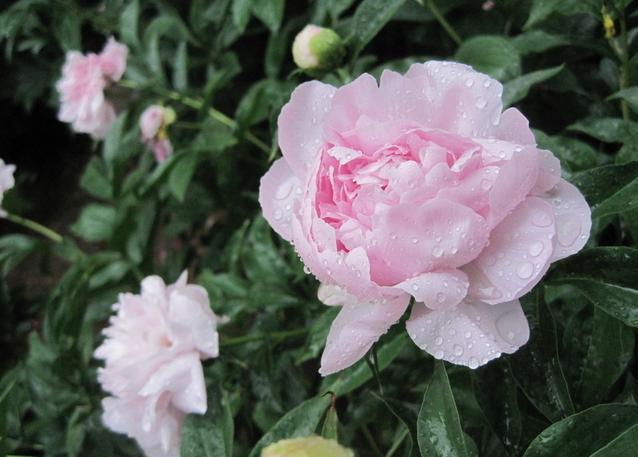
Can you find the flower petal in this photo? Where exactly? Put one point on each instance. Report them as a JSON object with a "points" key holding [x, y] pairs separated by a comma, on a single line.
{"points": [[356, 328], [438, 289], [278, 192], [518, 254], [514, 128], [573, 219], [300, 132], [470, 334]]}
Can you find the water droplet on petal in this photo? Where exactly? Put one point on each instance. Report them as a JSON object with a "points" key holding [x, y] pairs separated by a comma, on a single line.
{"points": [[525, 270], [458, 350], [438, 341], [536, 248], [437, 251], [284, 190], [473, 363], [481, 103], [438, 354]]}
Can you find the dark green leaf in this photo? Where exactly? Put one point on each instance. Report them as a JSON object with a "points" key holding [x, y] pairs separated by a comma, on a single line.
{"points": [[603, 183], [493, 55], [210, 435], [113, 141], [96, 222], [369, 19], [128, 23], [518, 88], [330, 428], [607, 129], [180, 69], [182, 173], [270, 12], [439, 431], [300, 421], [587, 432], [241, 12], [537, 41]]}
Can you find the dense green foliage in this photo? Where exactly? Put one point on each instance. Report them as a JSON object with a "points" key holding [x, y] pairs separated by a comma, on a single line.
{"points": [[571, 391]]}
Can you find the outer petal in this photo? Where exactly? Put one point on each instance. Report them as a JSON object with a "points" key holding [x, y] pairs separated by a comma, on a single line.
{"points": [[332, 295], [548, 172], [113, 59], [471, 334], [356, 328], [278, 191], [514, 127], [438, 289], [518, 254], [461, 100], [300, 125], [573, 219]]}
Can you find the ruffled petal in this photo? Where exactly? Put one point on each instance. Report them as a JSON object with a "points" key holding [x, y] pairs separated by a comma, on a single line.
{"points": [[278, 192], [514, 128], [356, 328], [300, 132], [437, 289], [518, 254], [573, 219], [470, 334]]}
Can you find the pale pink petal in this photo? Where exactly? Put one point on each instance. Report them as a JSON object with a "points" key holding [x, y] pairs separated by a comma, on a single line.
{"points": [[357, 328], [415, 239], [515, 180], [514, 128], [278, 192], [332, 295], [300, 125], [470, 334], [438, 289], [518, 254], [548, 172], [113, 59], [461, 100], [573, 219]]}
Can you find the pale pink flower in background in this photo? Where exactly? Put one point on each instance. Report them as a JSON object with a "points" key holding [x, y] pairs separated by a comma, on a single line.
{"points": [[420, 187], [153, 372], [153, 123], [6, 182], [81, 88]]}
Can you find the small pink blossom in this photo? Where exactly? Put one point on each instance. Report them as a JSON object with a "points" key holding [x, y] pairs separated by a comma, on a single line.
{"points": [[6, 182], [81, 88], [420, 186], [153, 123], [152, 352]]}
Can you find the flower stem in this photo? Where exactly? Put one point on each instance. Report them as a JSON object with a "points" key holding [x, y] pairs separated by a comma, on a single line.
{"points": [[39, 228], [624, 67], [443, 22], [373, 364], [198, 104], [260, 336]]}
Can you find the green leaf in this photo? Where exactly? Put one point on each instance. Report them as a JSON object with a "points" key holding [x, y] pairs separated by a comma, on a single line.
{"points": [[210, 435], [13, 249], [113, 140], [241, 12], [607, 129], [300, 421], [95, 180], [541, 10], [536, 366], [182, 174], [369, 19], [593, 432], [406, 414], [330, 428], [439, 431], [317, 335], [96, 222], [609, 189], [348, 380], [518, 88], [630, 95], [66, 27], [270, 12], [575, 154], [493, 55], [128, 23], [606, 277], [537, 41], [610, 350]]}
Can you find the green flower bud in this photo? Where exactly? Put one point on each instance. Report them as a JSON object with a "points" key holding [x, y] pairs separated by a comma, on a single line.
{"points": [[317, 48], [311, 446]]}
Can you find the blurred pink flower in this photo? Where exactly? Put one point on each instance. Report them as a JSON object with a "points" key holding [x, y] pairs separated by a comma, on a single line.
{"points": [[152, 370], [420, 187], [81, 88], [6, 182], [153, 123]]}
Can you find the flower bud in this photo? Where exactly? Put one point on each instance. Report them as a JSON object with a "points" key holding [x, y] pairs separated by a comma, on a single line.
{"points": [[311, 446], [317, 48]]}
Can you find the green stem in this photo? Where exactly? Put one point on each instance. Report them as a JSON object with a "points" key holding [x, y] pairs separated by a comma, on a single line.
{"points": [[373, 364], [39, 228], [443, 22], [397, 443], [370, 439], [260, 336], [198, 104]]}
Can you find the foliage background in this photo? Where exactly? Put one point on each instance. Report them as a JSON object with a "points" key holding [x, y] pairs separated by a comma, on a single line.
{"points": [[571, 391]]}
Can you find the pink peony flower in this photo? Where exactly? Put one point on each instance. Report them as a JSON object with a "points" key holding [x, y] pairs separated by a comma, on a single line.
{"points": [[153, 123], [6, 182], [81, 88], [421, 187], [152, 354]]}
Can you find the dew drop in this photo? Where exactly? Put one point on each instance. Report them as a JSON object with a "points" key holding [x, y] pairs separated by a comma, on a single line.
{"points": [[438, 341], [481, 103], [440, 298], [278, 214], [473, 363], [458, 350], [437, 251], [525, 270], [469, 82], [284, 190], [438, 354]]}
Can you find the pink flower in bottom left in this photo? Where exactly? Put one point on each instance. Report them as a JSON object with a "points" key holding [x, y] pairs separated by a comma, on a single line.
{"points": [[153, 372]]}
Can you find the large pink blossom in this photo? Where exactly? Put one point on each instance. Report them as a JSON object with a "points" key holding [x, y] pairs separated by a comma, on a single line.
{"points": [[152, 370], [6, 182], [420, 186], [81, 88]]}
